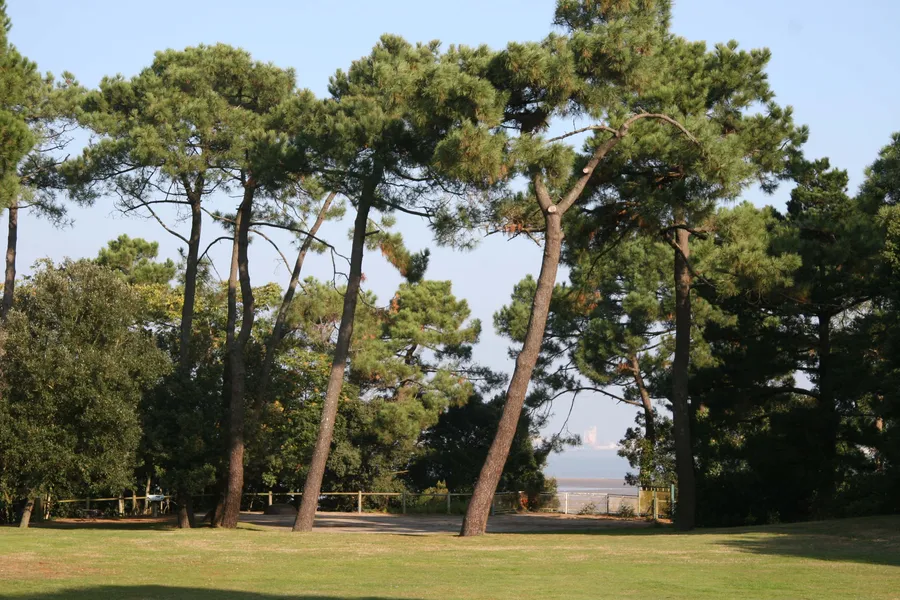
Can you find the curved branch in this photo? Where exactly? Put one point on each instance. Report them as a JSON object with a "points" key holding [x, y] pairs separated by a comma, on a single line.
{"points": [[166, 227], [211, 244], [608, 145], [274, 245]]}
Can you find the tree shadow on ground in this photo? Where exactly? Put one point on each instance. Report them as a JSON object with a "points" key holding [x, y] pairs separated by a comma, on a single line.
{"points": [[149, 524], [874, 540], [158, 592]]}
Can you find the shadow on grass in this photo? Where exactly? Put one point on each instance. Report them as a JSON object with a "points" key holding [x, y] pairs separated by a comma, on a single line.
{"points": [[108, 524], [156, 592], [873, 540]]}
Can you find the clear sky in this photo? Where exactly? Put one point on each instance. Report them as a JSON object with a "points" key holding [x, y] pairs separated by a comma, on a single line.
{"points": [[836, 63]]}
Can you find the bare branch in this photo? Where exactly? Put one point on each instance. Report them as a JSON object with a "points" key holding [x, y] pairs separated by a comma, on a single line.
{"points": [[274, 245], [582, 130], [166, 227], [211, 244]]}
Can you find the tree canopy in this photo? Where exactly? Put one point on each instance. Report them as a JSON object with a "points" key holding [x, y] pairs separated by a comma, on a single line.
{"points": [[755, 343]]}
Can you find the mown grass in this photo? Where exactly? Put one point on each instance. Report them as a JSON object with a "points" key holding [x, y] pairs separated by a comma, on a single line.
{"points": [[854, 558]]}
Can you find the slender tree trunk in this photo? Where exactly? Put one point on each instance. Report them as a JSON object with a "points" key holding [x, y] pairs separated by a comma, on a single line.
{"points": [[879, 457], [182, 496], [281, 318], [648, 455], [221, 485], [215, 513], [313, 486], [475, 522], [191, 268], [9, 283], [236, 360], [685, 514], [147, 500], [26, 513], [646, 402]]}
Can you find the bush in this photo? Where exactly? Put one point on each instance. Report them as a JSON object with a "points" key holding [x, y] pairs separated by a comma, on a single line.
{"points": [[589, 509]]}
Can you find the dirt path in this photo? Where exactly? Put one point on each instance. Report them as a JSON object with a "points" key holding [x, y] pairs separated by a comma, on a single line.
{"points": [[431, 524]]}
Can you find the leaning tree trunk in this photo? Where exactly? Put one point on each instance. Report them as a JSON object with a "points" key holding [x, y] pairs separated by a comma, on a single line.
{"points": [[9, 283], [236, 359], [479, 508], [313, 486], [685, 513], [26, 513], [646, 403], [281, 318], [648, 455]]}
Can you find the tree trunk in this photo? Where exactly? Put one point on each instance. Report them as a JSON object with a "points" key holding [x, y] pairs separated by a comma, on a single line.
{"points": [[187, 321], [879, 457], [281, 318], [236, 344], [475, 522], [190, 284], [147, 493], [26, 513], [37, 512], [648, 455], [9, 283], [218, 510], [646, 402], [685, 514], [216, 513], [185, 512], [313, 486]]}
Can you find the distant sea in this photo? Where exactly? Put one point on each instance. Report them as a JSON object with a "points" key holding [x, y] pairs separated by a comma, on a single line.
{"points": [[601, 485]]}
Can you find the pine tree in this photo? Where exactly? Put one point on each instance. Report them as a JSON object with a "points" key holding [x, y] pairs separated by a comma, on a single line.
{"points": [[37, 115], [135, 260], [667, 188], [196, 121], [390, 121], [608, 55]]}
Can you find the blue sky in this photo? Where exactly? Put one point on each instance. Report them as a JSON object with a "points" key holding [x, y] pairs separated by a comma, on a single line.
{"points": [[836, 63]]}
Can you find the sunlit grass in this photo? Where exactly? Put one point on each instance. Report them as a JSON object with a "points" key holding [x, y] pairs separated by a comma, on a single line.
{"points": [[856, 558]]}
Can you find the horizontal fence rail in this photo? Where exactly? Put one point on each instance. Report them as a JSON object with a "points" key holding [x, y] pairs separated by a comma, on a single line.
{"points": [[653, 502]]}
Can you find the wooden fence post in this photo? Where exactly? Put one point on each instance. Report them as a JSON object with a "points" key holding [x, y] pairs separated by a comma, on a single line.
{"points": [[448, 503], [270, 497], [359, 501]]}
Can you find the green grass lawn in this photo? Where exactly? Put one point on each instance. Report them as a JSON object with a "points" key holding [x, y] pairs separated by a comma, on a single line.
{"points": [[855, 558]]}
